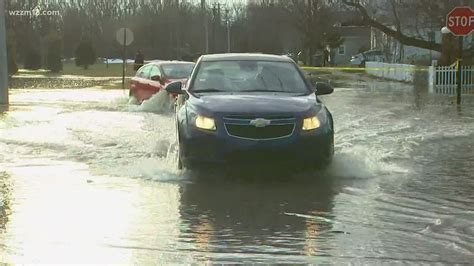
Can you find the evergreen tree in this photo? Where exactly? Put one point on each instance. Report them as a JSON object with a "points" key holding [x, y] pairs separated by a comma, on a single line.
{"points": [[53, 58], [11, 55], [85, 53]]}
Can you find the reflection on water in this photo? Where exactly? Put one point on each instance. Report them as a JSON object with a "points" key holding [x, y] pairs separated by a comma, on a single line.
{"points": [[247, 217], [61, 214], [86, 177]]}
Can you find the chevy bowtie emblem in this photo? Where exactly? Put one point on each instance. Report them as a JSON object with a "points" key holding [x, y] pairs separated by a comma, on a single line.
{"points": [[260, 122]]}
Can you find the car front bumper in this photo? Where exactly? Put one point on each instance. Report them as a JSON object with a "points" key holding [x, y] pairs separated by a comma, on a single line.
{"points": [[218, 147]]}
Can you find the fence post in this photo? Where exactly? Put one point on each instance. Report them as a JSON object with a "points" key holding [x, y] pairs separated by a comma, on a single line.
{"points": [[431, 77]]}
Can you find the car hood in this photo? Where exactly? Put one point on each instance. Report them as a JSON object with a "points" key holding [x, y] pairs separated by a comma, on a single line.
{"points": [[255, 104]]}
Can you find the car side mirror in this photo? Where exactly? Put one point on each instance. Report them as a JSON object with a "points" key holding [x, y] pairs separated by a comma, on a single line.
{"points": [[322, 88], [175, 87], [156, 78]]}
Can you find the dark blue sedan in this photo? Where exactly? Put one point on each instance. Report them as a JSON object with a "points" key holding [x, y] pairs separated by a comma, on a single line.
{"points": [[247, 108]]}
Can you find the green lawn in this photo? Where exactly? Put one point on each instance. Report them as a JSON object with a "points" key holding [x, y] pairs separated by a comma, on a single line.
{"points": [[96, 70]]}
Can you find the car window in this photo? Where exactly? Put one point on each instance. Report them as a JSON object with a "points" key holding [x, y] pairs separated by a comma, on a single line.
{"points": [[155, 71], [177, 71], [144, 72], [238, 76]]}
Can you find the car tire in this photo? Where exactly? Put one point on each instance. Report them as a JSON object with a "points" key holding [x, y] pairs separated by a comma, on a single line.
{"points": [[326, 159], [362, 64], [132, 99]]}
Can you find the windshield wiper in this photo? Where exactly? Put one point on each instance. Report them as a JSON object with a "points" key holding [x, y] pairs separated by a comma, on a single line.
{"points": [[207, 90], [266, 90], [296, 93]]}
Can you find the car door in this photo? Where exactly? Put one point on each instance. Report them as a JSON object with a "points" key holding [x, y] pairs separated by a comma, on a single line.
{"points": [[379, 56], [140, 83], [134, 82], [368, 56]]}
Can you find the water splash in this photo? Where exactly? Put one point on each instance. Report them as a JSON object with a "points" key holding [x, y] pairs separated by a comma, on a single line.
{"points": [[160, 102]]}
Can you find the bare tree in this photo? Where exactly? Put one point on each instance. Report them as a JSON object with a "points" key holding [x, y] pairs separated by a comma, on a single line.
{"points": [[397, 33], [170, 29], [314, 20]]}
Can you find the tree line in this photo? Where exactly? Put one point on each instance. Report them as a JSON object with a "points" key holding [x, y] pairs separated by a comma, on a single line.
{"points": [[184, 29]]}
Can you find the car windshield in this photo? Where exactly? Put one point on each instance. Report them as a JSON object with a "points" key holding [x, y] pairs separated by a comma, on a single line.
{"points": [[177, 71], [247, 76]]}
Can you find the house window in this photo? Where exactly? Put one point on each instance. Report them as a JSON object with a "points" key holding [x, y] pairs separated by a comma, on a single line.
{"points": [[342, 50]]}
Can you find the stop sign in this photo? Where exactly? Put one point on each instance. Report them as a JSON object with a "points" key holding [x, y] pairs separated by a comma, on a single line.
{"points": [[460, 21]]}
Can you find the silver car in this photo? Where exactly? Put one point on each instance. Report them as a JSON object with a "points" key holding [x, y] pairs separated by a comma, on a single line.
{"points": [[371, 55]]}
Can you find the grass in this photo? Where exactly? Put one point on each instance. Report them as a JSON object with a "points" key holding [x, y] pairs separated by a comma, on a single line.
{"points": [[96, 70]]}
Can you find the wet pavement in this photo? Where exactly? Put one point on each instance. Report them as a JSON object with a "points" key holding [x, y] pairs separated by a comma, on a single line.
{"points": [[86, 177]]}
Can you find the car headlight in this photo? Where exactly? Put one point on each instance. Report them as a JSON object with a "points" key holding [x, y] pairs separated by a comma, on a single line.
{"points": [[205, 123], [311, 123]]}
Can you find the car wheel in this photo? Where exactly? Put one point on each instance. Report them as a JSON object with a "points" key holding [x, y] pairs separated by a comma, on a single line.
{"points": [[180, 163], [362, 64], [330, 152]]}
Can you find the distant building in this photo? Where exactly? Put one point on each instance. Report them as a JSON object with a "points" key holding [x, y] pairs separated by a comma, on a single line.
{"points": [[356, 40]]}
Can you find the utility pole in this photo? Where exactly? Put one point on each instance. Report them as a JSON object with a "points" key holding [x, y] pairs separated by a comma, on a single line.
{"points": [[206, 24], [178, 32], [228, 29], [214, 18], [3, 57], [459, 65], [219, 23], [310, 40], [124, 62], [459, 70]]}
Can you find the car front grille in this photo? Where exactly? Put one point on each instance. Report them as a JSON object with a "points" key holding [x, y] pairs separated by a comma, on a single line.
{"points": [[243, 126], [252, 132], [249, 117]]}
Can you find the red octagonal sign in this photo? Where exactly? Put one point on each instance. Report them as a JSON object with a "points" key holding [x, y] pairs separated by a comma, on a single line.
{"points": [[460, 21]]}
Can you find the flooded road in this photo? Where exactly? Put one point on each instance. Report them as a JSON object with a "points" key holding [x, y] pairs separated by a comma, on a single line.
{"points": [[86, 177]]}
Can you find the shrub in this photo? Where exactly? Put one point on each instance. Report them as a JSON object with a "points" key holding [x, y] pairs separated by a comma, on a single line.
{"points": [[32, 59]]}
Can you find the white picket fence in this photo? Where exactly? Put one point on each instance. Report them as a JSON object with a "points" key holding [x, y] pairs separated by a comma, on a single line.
{"points": [[442, 79], [400, 72]]}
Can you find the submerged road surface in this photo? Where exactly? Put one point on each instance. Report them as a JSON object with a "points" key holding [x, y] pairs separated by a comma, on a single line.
{"points": [[86, 177]]}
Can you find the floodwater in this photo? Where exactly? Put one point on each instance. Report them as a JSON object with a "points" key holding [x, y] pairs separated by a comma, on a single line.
{"points": [[86, 177]]}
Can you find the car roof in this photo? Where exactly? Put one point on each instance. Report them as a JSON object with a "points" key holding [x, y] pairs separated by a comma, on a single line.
{"points": [[164, 62], [245, 56]]}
